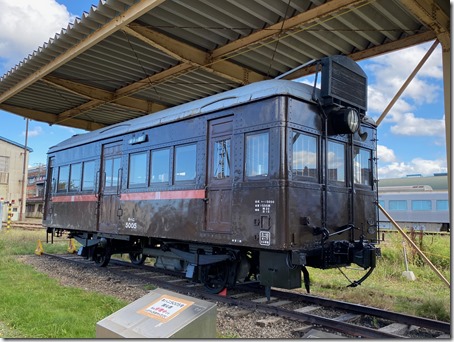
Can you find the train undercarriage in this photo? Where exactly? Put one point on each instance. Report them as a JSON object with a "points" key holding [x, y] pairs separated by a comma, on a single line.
{"points": [[220, 267]]}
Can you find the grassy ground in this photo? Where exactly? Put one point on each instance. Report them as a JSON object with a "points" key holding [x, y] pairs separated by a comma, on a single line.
{"points": [[33, 305], [427, 296]]}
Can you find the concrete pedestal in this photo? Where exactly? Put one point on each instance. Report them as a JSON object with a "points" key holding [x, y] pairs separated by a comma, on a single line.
{"points": [[161, 314]]}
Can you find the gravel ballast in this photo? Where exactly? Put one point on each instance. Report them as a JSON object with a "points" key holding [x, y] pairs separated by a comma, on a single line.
{"points": [[232, 322]]}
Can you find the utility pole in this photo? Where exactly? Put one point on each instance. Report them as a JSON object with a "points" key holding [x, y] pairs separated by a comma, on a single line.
{"points": [[24, 169]]}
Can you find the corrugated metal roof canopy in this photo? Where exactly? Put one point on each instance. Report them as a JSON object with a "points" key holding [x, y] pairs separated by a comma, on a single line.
{"points": [[127, 58]]}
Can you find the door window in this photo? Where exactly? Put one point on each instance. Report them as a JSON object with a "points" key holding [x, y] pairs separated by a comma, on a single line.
{"points": [[221, 159], [111, 168]]}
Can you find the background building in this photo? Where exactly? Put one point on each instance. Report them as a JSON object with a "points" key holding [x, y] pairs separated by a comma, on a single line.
{"points": [[416, 202], [35, 191], [11, 176]]}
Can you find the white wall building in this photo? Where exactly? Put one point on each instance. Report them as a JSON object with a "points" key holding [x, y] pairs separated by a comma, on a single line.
{"points": [[11, 176]]}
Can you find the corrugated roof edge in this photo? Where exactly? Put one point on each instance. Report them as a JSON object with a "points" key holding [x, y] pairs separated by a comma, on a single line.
{"points": [[16, 144], [227, 99]]}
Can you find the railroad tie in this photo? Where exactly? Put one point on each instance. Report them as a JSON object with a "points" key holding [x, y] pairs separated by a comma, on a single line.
{"points": [[395, 328]]}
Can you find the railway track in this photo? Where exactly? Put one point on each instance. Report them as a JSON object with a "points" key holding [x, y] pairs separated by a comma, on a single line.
{"points": [[24, 225], [314, 313]]}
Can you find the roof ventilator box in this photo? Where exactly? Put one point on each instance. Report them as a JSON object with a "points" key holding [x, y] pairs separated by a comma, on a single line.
{"points": [[344, 83], [161, 314]]}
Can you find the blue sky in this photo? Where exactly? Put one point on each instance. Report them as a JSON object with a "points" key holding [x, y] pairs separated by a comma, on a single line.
{"points": [[410, 140]]}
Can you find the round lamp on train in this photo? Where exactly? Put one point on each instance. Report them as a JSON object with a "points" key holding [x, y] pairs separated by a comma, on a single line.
{"points": [[345, 120]]}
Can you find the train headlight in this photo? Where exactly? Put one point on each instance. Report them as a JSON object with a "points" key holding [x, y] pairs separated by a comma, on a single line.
{"points": [[352, 120], [343, 121]]}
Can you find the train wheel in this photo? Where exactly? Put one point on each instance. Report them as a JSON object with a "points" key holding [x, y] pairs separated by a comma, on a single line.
{"points": [[215, 276], [101, 256], [137, 258]]}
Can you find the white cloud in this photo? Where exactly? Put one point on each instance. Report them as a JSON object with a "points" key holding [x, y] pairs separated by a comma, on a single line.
{"points": [[417, 165], [410, 125], [34, 132], [392, 70], [385, 154], [28, 24]]}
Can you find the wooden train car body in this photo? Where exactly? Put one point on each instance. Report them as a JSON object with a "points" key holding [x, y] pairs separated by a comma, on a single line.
{"points": [[252, 170]]}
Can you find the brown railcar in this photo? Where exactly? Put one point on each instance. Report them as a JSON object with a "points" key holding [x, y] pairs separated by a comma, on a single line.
{"points": [[258, 182]]}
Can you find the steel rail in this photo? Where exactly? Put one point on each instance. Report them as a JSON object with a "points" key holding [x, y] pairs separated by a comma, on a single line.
{"points": [[344, 327]]}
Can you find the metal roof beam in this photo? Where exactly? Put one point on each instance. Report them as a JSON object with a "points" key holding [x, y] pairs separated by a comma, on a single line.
{"points": [[375, 51], [304, 18], [51, 118], [93, 93], [430, 13], [132, 13], [195, 57]]}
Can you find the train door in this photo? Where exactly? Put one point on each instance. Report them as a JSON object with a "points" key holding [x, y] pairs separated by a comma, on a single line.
{"points": [[110, 188], [220, 175], [49, 189]]}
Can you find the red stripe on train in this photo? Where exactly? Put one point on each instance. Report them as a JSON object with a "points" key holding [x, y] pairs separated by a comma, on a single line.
{"points": [[138, 196], [75, 198], [161, 195]]}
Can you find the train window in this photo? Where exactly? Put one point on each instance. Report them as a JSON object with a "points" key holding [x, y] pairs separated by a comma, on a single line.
{"points": [[88, 176], [111, 169], [137, 169], [63, 177], [442, 205], [185, 163], [421, 205], [336, 162], [304, 156], [74, 178], [160, 162], [221, 159], [362, 166], [397, 205], [257, 154]]}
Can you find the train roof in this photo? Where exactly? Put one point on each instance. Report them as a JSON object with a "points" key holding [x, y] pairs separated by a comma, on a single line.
{"points": [[227, 99], [436, 182]]}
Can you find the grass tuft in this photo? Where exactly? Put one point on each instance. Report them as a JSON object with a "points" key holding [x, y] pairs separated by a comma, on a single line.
{"points": [[32, 305]]}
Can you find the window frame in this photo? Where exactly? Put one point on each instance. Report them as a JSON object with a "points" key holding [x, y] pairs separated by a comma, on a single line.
{"points": [[58, 189], [370, 165], [268, 164], [143, 184], [440, 205], [71, 171], [392, 202], [215, 157], [169, 168], [115, 181], [342, 182], [93, 176], [414, 207], [316, 178], [175, 160]]}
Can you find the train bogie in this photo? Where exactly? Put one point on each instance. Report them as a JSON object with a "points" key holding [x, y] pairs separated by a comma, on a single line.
{"points": [[256, 183]]}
